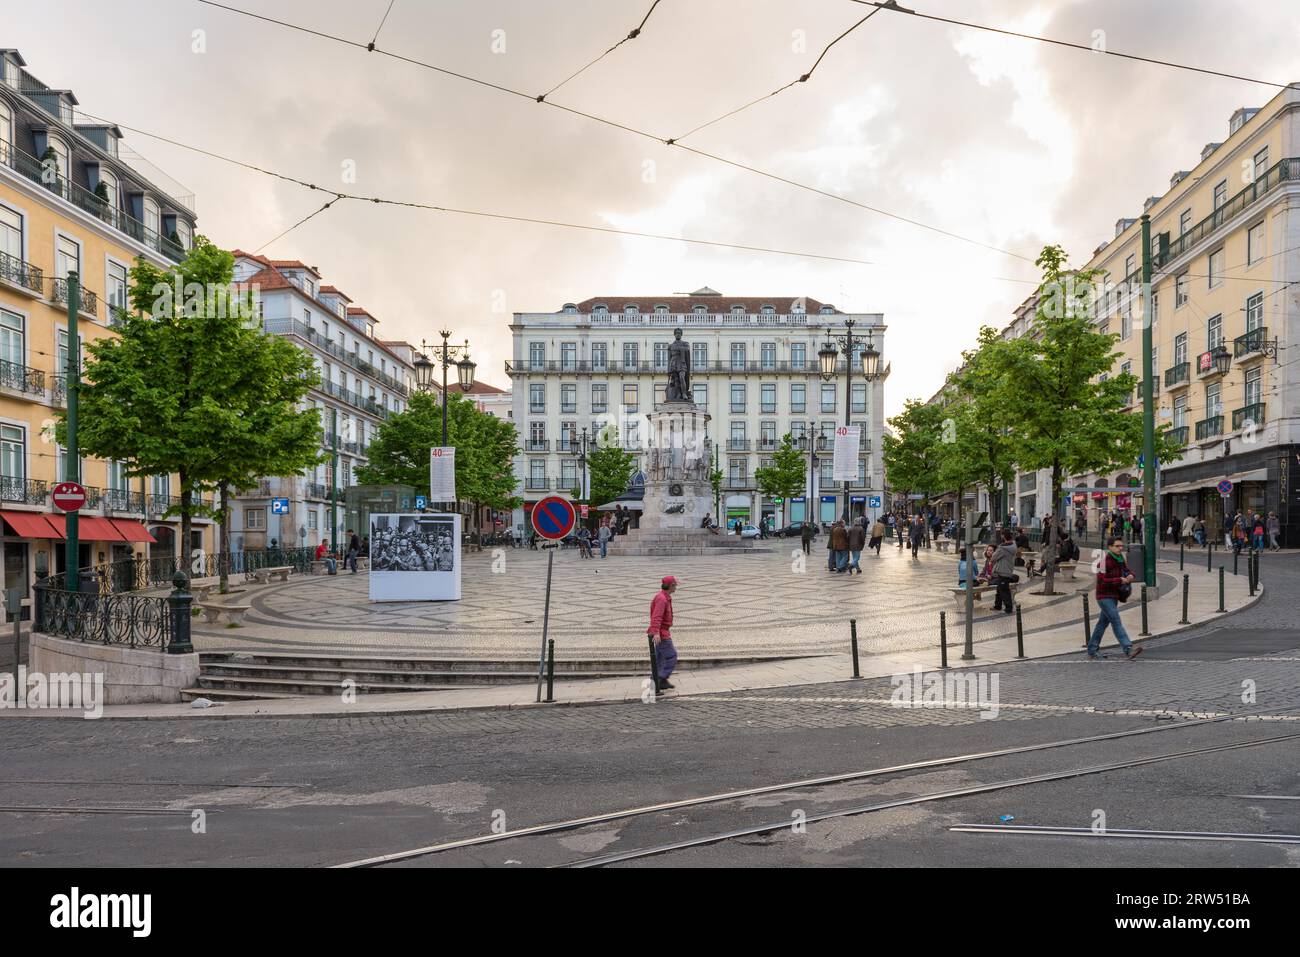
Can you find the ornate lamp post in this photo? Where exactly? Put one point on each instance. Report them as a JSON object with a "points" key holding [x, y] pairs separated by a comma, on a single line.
{"points": [[828, 357], [445, 354], [578, 447]]}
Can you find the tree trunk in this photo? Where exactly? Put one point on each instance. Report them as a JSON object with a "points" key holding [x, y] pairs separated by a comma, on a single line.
{"points": [[1052, 535], [184, 562], [223, 568]]}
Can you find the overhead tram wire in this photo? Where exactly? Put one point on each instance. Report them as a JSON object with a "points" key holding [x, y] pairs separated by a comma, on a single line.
{"points": [[781, 89], [375, 38], [893, 7], [735, 164], [636, 32], [300, 222]]}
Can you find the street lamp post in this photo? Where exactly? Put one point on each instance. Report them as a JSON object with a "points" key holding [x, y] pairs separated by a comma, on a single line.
{"points": [[444, 354], [828, 356], [579, 448]]}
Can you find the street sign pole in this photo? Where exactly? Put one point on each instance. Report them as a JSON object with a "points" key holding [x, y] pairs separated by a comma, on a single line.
{"points": [[546, 621], [969, 653], [1148, 418], [334, 482], [72, 468]]}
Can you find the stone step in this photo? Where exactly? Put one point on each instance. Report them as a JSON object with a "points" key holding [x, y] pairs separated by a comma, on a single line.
{"points": [[290, 673], [581, 667], [230, 694]]}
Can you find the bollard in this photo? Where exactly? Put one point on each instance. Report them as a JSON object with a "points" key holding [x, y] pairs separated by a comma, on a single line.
{"points": [[1209, 557], [853, 641], [179, 603], [1221, 608], [1235, 556], [1257, 568], [1087, 621], [1020, 634], [1186, 587], [1144, 633], [943, 639], [550, 671], [1250, 576], [654, 664], [1181, 546]]}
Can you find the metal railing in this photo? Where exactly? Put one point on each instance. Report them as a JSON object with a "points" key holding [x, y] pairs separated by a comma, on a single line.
{"points": [[288, 326], [88, 301], [21, 378], [22, 491], [1253, 413], [737, 445], [317, 490], [1179, 374], [537, 484], [123, 500], [1209, 428], [21, 273], [1179, 435], [537, 445], [1251, 342], [99, 615], [640, 366]]}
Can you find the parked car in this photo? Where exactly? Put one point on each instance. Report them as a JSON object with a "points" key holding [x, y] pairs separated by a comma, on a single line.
{"points": [[795, 530], [748, 531]]}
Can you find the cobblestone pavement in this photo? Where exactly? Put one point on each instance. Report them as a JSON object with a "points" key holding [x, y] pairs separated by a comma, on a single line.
{"points": [[767, 604]]}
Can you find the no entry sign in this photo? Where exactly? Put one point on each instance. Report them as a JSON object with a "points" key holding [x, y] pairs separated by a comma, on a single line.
{"points": [[68, 496], [553, 517]]}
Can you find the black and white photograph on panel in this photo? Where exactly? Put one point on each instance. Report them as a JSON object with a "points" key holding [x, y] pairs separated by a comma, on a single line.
{"points": [[414, 557]]}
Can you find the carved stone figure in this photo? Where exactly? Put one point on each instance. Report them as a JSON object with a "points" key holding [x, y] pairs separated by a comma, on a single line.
{"points": [[679, 370]]}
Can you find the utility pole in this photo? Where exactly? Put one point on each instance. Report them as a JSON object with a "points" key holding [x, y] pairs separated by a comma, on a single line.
{"points": [[848, 406], [72, 468], [1149, 463], [334, 481]]}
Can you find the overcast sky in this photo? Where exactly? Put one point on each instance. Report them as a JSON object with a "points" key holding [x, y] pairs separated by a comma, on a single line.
{"points": [[1008, 142]]}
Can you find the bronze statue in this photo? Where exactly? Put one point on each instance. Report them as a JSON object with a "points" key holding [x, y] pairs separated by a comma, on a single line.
{"points": [[679, 370]]}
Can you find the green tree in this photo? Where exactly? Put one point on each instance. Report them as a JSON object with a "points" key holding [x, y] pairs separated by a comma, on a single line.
{"points": [[1068, 419], [166, 394], [914, 455], [610, 469], [785, 478]]}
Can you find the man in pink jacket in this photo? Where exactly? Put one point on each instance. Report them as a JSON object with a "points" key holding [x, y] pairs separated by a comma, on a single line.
{"points": [[661, 623]]}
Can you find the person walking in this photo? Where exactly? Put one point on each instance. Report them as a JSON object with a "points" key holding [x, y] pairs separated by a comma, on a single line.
{"points": [[603, 536], [1257, 532], [857, 539], [1004, 573], [354, 549], [660, 631], [877, 536], [806, 532], [1274, 528], [1112, 578], [840, 546], [918, 533]]}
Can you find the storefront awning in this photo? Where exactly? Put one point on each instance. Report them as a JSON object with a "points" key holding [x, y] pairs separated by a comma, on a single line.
{"points": [[1255, 475], [132, 531], [30, 525], [627, 506], [89, 528]]}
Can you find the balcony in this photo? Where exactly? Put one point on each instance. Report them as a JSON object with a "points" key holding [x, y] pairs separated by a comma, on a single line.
{"points": [[317, 490], [1209, 428], [1179, 436], [22, 274], [650, 367], [89, 302], [537, 445], [537, 484], [369, 406], [1252, 414], [767, 445], [261, 490], [20, 378], [22, 491], [282, 327], [1205, 364], [159, 504], [122, 500], [738, 481], [33, 169], [737, 445], [1178, 376], [1251, 344]]}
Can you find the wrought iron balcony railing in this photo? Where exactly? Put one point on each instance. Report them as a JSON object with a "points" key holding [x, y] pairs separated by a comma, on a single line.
{"points": [[22, 491], [737, 445], [21, 378], [1209, 428], [1251, 343], [1179, 374], [537, 445], [535, 484], [1252, 414], [21, 273], [124, 500], [1179, 435], [88, 303]]}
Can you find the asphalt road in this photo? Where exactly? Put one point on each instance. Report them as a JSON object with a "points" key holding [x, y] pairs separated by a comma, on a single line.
{"points": [[321, 792]]}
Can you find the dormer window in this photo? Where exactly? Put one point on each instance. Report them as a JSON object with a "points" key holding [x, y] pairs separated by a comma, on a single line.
{"points": [[110, 188], [768, 310], [700, 310], [600, 309], [661, 310], [152, 221], [630, 310], [827, 310], [737, 310], [570, 308]]}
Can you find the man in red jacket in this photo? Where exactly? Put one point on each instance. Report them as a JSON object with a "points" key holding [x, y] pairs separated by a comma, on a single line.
{"points": [[1113, 573], [661, 622]]}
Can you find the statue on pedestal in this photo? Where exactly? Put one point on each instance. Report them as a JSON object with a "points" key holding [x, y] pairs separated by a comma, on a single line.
{"points": [[679, 370]]}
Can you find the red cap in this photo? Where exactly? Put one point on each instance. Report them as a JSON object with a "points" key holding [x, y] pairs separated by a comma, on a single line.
{"points": [[668, 580]]}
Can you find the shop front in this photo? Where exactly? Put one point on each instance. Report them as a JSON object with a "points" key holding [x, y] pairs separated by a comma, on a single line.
{"points": [[1262, 482]]}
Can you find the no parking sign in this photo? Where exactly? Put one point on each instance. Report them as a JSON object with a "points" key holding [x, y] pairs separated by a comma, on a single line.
{"points": [[553, 517]]}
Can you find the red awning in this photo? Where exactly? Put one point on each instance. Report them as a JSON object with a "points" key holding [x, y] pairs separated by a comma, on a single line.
{"points": [[132, 531], [31, 525], [89, 528]]}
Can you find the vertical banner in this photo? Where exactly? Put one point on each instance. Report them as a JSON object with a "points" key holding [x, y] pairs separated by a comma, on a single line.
{"points": [[845, 465], [414, 557], [442, 474]]}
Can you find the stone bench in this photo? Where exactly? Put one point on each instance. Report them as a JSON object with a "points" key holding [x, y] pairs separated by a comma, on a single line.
{"points": [[321, 567], [212, 612], [201, 587], [943, 544], [959, 594], [263, 575]]}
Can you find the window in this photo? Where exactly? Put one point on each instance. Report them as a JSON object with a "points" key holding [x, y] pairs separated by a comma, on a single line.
{"points": [[631, 309], [798, 431], [1254, 385], [1180, 412], [767, 399], [828, 396], [6, 130], [768, 310], [254, 518], [183, 234], [798, 354], [537, 355], [152, 220], [1126, 322], [1260, 165], [699, 355], [569, 397], [67, 256], [738, 431], [1130, 265], [859, 401], [1255, 244], [599, 396], [767, 433], [117, 479], [700, 310], [1212, 401], [60, 160], [1220, 194], [1155, 308], [1180, 348], [568, 356], [110, 188], [798, 397], [661, 395], [737, 309], [629, 355], [599, 356], [1216, 267], [11, 241], [116, 285], [661, 356], [826, 472], [1214, 332], [661, 310], [767, 354], [1184, 222], [862, 473], [13, 452], [13, 341], [1254, 312], [737, 472], [600, 309], [537, 473], [537, 432], [568, 473], [700, 392], [1180, 290], [630, 397], [738, 356], [568, 433], [313, 520], [737, 397], [537, 397]]}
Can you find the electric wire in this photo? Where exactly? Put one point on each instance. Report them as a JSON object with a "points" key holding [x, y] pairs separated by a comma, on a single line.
{"points": [[636, 32], [382, 22]]}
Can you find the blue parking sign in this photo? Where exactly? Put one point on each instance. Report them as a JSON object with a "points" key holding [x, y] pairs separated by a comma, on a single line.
{"points": [[421, 502], [279, 506], [874, 501]]}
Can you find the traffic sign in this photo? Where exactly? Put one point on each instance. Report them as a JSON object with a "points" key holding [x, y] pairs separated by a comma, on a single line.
{"points": [[874, 501], [69, 496], [553, 517], [1225, 487], [585, 509], [421, 503], [279, 506]]}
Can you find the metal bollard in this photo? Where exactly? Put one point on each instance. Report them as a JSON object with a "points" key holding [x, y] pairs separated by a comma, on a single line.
{"points": [[1250, 575], [1257, 568], [1221, 608], [550, 671], [1020, 634], [1235, 556], [1186, 588], [1144, 633], [1181, 546], [943, 639], [1087, 621], [1209, 557], [853, 641]]}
